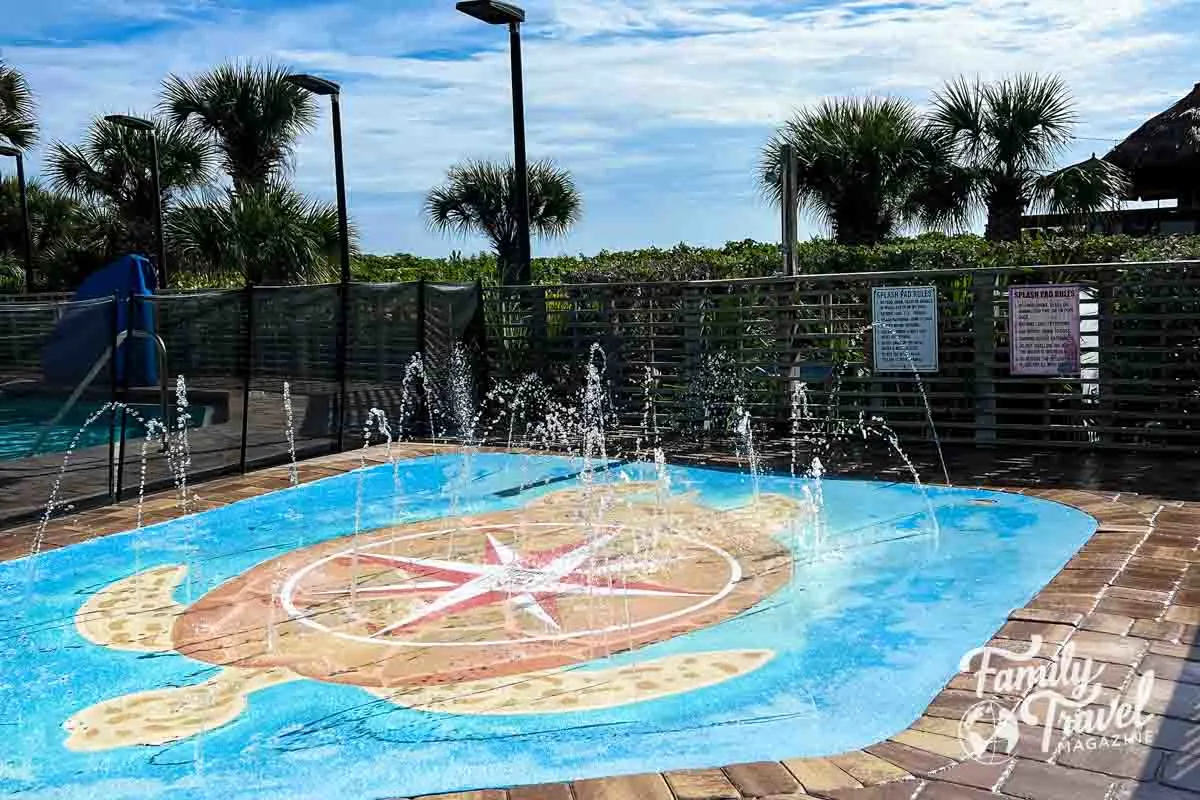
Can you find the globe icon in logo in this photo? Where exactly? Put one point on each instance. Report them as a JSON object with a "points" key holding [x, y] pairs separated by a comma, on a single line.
{"points": [[989, 733]]}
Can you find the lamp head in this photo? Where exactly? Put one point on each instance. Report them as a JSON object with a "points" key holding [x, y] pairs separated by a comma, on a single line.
{"points": [[314, 84], [493, 12], [5, 150], [134, 123]]}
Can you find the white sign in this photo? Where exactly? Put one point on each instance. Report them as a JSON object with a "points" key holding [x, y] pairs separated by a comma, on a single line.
{"points": [[1044, 330], [904, 328]]}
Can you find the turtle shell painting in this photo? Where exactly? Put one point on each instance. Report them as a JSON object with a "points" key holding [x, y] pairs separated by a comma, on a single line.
{"points": [[461, 623]]}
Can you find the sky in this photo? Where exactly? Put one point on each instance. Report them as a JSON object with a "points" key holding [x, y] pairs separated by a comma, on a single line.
{"points": [[659, 108]]}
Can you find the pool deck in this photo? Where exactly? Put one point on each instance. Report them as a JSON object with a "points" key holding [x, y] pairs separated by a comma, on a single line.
{"points": [[25, 483], [1129, 599]]}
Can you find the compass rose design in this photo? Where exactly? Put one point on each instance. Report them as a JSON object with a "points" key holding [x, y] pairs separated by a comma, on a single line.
{"points": [[512, 592], [592, 574], [531, 582]]}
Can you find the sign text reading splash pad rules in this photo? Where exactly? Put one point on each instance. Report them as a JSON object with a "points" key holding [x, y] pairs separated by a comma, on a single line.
{"points": [[905, 332], [1044, 323]]}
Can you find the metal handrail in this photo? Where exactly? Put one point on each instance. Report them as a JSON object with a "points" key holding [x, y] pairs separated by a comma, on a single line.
{"points": [[161, 349]]}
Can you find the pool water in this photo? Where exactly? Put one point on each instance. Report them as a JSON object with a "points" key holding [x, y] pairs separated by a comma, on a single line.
{"points": [[23, 420], [302, 661]]}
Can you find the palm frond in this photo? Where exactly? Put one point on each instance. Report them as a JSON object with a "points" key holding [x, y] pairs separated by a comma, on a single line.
{"points": [[18, 116], [1029, 120], [947, 190], [71, 172], [1082, 189], [269, 234], [555, 205], [958, 114], [252, 113], [111, 169], [113, 164], [1006, 133], [70, 240], [479, 197], [867, 167]]}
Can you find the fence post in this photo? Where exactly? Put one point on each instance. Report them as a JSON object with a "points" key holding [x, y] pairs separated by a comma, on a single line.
{"points": [[381, 298], [608, 338], [247, 371], [539, 322], [833, 394], [693, 323], [343, 349], [983, 318], [421, 317], [1106, 332], [121, 352], [478, 330], [112, 396], [876, 403]]}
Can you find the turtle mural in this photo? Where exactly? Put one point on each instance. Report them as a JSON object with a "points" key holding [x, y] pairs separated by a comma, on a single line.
{"points": [[509, 612]]}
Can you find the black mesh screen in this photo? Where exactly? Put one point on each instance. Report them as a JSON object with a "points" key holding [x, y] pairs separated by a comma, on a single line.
{"points": [[262, 372], [56, 378]]}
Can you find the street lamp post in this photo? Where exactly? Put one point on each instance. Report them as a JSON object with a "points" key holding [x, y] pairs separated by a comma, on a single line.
{"points": [[494, 12], [146, 126], [28, 239], [323, 87]]}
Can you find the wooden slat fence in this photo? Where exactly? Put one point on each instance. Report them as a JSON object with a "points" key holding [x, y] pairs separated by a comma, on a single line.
{"points": [[709, 345]]}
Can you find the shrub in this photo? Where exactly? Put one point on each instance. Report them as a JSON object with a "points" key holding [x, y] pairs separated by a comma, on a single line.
{"points": [[751, 259]]}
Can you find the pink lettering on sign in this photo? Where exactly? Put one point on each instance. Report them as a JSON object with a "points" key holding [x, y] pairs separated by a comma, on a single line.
{"points": [[1043, 324]]}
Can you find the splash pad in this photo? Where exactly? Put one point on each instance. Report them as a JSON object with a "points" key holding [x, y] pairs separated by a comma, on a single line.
{"points": [[490, 619]]}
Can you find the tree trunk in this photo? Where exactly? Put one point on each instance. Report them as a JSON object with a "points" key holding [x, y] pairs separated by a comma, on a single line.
{"points": [[1004, 219], [860, 221], [1006, 204], [137, 235], [508, 268], [529, 304]]}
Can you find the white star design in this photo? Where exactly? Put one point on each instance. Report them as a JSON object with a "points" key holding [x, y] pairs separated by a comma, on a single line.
{"points": [[530, 583]]}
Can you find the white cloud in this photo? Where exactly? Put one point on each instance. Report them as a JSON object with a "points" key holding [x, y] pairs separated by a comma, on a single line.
{"points": [[669, 99]]}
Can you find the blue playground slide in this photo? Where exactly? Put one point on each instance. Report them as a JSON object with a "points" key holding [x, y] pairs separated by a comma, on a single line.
{"points": [[86, 330]]}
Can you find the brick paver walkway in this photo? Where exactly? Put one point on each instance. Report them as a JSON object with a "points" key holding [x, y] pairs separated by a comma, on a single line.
{"points": [[1130, 600]]}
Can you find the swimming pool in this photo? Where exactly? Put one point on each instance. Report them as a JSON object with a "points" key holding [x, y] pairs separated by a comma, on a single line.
{"points": [[479, 634], [24, 419]]}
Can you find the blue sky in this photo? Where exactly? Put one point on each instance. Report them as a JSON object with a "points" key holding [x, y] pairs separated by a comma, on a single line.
{"points": [[659, 107]]}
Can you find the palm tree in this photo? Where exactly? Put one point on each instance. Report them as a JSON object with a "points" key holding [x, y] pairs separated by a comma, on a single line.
{"points": [[52, 223], [69, 240], [479, 197], [867, 167], [110, 172], [1007, 134], [264, 234], [1081, 190], [18, 124], [250, 111]]}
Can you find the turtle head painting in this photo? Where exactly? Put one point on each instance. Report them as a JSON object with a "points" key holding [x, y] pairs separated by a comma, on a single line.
{"points": [[509, 612]]}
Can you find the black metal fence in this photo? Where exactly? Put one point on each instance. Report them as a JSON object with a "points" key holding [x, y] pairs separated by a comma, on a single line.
{"points": [[238, 352]]}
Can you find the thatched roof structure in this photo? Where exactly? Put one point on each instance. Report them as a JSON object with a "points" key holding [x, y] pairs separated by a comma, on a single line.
{"points": [[1162, 158]]}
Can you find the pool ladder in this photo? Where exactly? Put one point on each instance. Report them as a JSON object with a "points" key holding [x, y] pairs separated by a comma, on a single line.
{"points": [[160, 348]]}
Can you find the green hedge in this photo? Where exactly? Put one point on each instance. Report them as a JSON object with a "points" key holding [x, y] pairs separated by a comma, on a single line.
{"points": [[748, 259], [745, 259]]}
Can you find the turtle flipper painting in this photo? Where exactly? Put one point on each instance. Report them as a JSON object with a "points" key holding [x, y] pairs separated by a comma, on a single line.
{"points": [[429, 630]]}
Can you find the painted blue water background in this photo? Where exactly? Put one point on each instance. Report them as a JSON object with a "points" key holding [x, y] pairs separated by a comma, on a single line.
{"points": [[865, 637]]}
